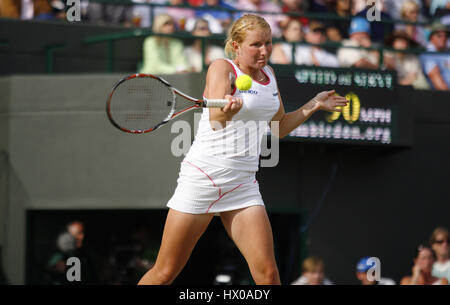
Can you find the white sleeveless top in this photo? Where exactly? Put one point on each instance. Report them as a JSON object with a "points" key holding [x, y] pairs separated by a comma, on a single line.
{"points": [[238, 145]]}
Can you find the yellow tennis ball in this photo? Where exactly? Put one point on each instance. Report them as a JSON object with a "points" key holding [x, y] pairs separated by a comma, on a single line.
{"points": [[244, 82]]}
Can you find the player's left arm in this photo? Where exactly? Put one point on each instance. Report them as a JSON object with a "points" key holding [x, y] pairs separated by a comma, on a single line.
{"points": [[325, 100]]}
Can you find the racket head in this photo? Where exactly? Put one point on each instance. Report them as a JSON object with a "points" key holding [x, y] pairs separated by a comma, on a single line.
{"points": [[140, 103]]}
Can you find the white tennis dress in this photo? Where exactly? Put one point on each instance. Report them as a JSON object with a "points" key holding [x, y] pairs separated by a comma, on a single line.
{"points": [[218, 172]]}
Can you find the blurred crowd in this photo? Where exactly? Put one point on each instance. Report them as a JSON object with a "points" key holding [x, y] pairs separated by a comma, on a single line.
{"points": [[127, 262], [430, 266], [413, 36]]}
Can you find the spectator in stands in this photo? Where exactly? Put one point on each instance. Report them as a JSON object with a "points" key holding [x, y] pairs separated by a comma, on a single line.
{"points": [[274, 20], [56, 266], [408, 67], [10, 8], [194, 52], [437, 66], [282, 52], [358, 6], [293, 6], [421, 271], [36, 9], [180, 15], [446, 21], [315, 55], [218, 20], [313, 273], [359, 37], [163, 55], [437, 5], [394, 7], [378, 30], [42, 10], [195, 2], [70, 244], [362, 268], [142, 13], [76, 229], [337, 30], [440, 243], [410, 11], [101, 13]]}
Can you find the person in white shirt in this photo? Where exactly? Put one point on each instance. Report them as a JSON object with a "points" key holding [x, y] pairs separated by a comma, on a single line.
{"points": [[359, 37], [440, 243], [421, 271], [216, 178], [315, 55]]}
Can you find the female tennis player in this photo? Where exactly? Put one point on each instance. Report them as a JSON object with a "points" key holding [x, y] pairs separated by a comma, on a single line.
{"points": [[217, 177]]}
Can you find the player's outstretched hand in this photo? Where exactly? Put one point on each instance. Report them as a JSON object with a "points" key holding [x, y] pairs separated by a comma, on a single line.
{"points": [[330, 101], [233, 106]]}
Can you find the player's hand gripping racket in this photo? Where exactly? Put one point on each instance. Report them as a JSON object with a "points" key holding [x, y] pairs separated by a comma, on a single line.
{"points": [[142, 103]]}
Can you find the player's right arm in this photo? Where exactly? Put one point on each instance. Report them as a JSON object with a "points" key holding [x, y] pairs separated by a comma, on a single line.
{"points": [[218, 86]]}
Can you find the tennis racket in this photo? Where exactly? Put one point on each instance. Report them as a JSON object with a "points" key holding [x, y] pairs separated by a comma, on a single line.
{"points": [[141, 103]]}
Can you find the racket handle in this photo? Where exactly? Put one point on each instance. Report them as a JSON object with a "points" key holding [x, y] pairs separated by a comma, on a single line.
{"points": [[215, 103]]}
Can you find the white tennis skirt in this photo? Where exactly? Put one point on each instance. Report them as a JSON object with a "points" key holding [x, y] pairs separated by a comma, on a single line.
{"points": [[205, 189]]}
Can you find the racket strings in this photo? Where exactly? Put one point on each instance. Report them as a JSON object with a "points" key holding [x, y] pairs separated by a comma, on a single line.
{"points": [[183, 104], [141, 103]]}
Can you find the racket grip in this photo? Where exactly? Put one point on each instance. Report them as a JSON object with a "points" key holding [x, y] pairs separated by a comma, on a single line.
{"points": [[215, 103]]}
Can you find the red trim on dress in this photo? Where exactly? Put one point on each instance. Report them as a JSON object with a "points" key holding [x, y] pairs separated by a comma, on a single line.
{"points": [[220, 197], [262, 70], [202, 172], [220, 189], [268, 79]]}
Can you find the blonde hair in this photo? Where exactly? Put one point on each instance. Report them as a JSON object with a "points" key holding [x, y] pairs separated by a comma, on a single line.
{"points": [[436, 232], [239, 29], [407, 6], [311, 264], [159, 22]]}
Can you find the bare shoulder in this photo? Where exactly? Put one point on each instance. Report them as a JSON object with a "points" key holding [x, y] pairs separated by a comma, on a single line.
{"points": [[219, 66], [218, 82]]}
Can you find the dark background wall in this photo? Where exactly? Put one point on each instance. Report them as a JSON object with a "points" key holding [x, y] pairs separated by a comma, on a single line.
{"points": [[383, 201], [27, 42]]}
